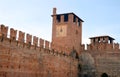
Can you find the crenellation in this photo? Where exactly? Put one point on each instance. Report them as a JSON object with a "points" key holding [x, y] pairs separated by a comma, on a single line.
{"points": [[28, 39], [116, 46], [41, 43], [96, 40], [62, 18], [3, 30], [13, 34], [109, 46], [103, 46], [91, 47], [21, 37], [92, 41], [19, 55], [47, 44], [70, 16], [101, 40], [35, 41], [106, 39], [101, 43], [21, 43]]}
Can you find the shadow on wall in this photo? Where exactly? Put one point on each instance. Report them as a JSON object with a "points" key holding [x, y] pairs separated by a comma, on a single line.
{"points": [[104, 75], [87, 65]]}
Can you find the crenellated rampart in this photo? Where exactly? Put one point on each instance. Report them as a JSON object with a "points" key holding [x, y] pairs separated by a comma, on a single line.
{"points": [[29, 41], [30, 56], [21, 39], [101, 47]]}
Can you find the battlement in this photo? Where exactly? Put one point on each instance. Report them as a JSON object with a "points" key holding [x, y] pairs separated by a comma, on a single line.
{"points": [[103, 47], [66, 17], [30, 56], [101, 43], [21, 38], [25, 40]]}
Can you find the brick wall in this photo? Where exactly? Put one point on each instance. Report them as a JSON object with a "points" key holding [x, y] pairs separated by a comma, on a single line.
{"points": [[24, 59], [106, 62]]}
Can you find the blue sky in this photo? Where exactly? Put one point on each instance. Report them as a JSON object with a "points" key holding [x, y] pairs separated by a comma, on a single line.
{"points": [[102, 17]]}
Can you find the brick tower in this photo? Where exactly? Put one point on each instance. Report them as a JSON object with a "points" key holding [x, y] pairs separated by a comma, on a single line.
{"points": [[66, 32]]}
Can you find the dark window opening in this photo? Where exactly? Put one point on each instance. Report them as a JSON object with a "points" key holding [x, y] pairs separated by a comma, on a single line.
{"points": [[103, 39], [111, 41], [99, 40], [74, 19], [65, 17], [79, 22], [104, 75], [85, 75], [58, 18], [93, 40]]}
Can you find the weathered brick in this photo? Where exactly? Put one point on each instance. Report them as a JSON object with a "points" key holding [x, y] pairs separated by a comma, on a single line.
{"points": [[13, 34]]}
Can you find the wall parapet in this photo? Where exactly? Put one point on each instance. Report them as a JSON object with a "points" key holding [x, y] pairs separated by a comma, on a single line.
{"points": [[103, 46], [28, 41], [100, 47]]}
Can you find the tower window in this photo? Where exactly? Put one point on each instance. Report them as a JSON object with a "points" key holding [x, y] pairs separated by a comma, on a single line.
{"points": [[74, 19], [65, 17], [58, 18], [79, 22]]}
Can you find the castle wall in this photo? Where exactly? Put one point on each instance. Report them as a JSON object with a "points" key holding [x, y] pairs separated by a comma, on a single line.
{"points": [[24, 58], [34, 57], [106, 62], [106, 58]]}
